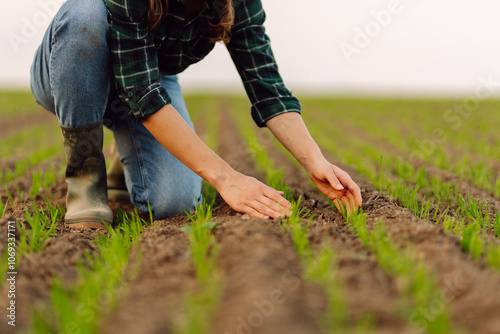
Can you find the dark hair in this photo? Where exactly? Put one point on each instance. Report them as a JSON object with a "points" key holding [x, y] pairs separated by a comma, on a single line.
{"points": [[157, 10]]}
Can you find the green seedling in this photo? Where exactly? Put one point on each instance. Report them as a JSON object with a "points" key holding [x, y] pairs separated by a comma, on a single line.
{"points": [[36, 184], [3, 207], [102, 280], [201, 305], [418, 289], [319, 268], [42, 227], [497, 225], [493, 257], [471, 240], [202, 242]]}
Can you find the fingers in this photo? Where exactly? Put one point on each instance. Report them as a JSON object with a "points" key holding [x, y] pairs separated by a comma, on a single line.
{"points": [[269, 203], [349, 184], [334, 181], [277, 209], [266, 210], [277, 197], [254, 213]]}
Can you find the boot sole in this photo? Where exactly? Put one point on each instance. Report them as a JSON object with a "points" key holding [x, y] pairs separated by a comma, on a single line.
{"points": [[93, 226]]}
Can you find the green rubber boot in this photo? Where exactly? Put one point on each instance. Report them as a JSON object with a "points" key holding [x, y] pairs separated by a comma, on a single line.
{"points": [[117, 189], [87, 197]]}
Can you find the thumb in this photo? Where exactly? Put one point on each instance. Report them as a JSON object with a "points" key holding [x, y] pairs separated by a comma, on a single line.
{"points": [[333, 180]]}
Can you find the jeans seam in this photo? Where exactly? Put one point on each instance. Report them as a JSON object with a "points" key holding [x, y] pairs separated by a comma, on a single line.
{"points": [[140, 161], [55, 27]]}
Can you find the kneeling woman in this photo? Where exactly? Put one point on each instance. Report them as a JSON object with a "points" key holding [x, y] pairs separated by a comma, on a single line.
{"points": [[114, 62]]}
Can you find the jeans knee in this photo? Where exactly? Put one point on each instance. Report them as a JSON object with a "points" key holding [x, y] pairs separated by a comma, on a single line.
{"points": [[85, 24], [169, 206], [165, 205]]}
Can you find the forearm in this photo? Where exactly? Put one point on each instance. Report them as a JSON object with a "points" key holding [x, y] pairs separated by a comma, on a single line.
{"points": [[170, 129], [290, 130]]}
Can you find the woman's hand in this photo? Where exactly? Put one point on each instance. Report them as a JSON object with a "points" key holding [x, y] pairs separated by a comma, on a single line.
{"points": [[336, 184], [248, 195], [332, 181]]}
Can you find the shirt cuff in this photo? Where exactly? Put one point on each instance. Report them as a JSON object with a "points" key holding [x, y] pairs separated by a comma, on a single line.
{"points": [[148, 104], [262, 111]]}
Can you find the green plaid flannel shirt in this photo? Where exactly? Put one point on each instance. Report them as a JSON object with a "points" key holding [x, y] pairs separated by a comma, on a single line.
{"points": [[140, 58]]}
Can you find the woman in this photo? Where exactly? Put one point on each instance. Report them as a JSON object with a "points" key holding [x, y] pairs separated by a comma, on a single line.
{"points": [[114, 62]]}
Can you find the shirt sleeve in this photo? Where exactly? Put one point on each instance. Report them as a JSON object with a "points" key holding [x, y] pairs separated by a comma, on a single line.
{"points": [[250, 49], [134, 58]]}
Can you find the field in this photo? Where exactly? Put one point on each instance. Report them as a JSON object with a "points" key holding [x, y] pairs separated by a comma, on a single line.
{"points": [[422, 256]]}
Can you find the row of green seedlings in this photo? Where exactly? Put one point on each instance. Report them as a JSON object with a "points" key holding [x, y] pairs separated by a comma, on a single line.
{"points": [[469, 222], [480, 173], [23, 165], [41, 181], [35, 138], [33, 237], [469, 212], [37, 156], [320, 267], [200, 306], [103, 277], [438, 192], [416, 285]]}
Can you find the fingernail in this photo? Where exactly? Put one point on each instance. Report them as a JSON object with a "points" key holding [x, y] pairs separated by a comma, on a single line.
{"points": [[339, 187]]}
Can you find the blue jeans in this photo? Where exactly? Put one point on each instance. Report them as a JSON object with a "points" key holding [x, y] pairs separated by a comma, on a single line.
{"points": [[71, 76]]}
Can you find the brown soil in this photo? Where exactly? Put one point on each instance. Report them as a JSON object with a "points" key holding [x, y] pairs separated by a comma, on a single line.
{"points": [[264, 290], [154, 298]]}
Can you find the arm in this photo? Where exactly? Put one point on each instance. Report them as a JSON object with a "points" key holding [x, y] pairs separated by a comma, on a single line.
{"points": [[251, 52], [134, 58], [336, 184], [273, 105], [244, 194]]}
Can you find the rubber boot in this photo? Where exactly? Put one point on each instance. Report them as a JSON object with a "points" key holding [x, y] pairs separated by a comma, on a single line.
{"points": [[87, 197], [117, 189]]}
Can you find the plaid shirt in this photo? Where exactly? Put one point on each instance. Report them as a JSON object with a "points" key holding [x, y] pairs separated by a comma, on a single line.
{"points": [[140, 58]]}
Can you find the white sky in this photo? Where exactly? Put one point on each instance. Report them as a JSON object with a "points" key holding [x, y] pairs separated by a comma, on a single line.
{"points": [[429, 47]]}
